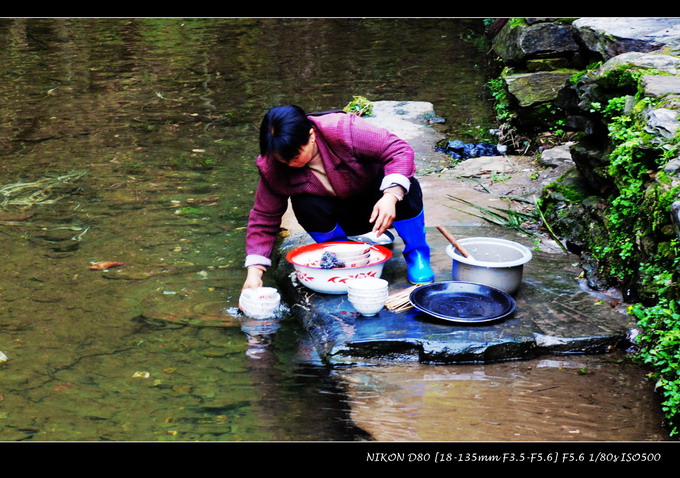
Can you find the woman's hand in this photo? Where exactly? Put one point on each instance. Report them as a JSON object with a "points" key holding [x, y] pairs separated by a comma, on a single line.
{"points": [[253, 278], [384, 212]]}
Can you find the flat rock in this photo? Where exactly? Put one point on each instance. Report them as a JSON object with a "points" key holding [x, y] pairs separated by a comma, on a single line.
{"points": [[661, 85], [554, 315], [409, 121], [648, 61], [611, 36], [539, 87]]}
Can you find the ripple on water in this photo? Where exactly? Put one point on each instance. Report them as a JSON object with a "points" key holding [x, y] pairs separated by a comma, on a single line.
{"points": [[582, 398]]}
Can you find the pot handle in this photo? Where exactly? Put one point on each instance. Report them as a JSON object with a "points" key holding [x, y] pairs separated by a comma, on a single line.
{"points": [[453, 241]]}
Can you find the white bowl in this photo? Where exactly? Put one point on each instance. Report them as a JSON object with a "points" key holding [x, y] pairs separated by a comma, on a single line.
{"points": [[306, 259], [368, 303], [357, 262], [259, 303], [368, 308], [261, 293], [368, 290], [372, 238], [372, 298], [365, 253], [368, 293], [348, 249], [258, 313], [263, 305], [367, 284]]}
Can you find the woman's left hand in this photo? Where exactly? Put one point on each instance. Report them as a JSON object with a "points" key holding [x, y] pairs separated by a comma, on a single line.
{"points": [[384, 212]]}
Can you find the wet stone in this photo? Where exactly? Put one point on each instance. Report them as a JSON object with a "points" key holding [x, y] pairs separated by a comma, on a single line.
{"points": [[554, 315]]}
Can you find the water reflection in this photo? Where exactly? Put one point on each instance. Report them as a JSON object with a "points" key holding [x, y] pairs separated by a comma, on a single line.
{"points": [[580, 398]]}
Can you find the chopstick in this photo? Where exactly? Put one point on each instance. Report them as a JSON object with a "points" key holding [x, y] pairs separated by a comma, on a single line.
{"points": [[399, 300]]}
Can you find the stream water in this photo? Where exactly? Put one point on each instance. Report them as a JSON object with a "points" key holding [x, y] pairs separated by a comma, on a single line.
{"points": [[132, 142]]}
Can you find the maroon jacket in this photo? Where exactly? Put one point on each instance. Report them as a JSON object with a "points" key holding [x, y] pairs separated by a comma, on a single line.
{"points": [[354, 153]]}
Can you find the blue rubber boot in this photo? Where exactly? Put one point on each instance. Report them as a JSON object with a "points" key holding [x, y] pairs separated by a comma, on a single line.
{"points": [[416, 250], [337, 234]]}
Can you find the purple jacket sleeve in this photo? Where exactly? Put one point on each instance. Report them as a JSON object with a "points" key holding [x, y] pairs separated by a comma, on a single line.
{"points": [[263, 224]]}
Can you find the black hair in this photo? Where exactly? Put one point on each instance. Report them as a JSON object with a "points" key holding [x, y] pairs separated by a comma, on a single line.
{"points": [[284, 131]]}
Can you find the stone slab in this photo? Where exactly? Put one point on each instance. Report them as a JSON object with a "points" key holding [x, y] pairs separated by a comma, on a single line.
{"points": [[409, 121], [554, 315], [660, 85], [611, 36], [534, 88]]}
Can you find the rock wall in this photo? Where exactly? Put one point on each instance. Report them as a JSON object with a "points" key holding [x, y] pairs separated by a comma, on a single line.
{"points": [[610, 89]]}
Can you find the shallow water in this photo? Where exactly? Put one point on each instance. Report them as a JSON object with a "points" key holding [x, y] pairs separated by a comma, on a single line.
{"points": [[576, 398], [142, 134]]}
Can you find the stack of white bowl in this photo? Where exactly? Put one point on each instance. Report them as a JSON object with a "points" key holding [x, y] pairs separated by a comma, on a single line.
{"points": [[368, 295], [352, 255], [260, 303]]}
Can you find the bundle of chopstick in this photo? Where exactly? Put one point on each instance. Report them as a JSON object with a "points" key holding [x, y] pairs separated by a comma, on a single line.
{"points": [[398, 300]]}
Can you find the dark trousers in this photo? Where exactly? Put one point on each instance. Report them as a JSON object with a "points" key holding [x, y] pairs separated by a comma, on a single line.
{"points": [[322, 214]]}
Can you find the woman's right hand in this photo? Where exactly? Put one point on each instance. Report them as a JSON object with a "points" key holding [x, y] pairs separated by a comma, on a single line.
{"points": [[253, 278]]}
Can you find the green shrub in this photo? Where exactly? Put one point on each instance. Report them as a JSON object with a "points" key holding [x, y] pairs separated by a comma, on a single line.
{"points": [[639, 213]]}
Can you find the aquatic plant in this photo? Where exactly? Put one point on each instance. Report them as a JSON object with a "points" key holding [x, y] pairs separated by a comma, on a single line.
{"points": [[360, 106], [47, 190]]}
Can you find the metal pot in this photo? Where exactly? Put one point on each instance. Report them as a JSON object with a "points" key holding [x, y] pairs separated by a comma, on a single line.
{"points": [[494, 262]]}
